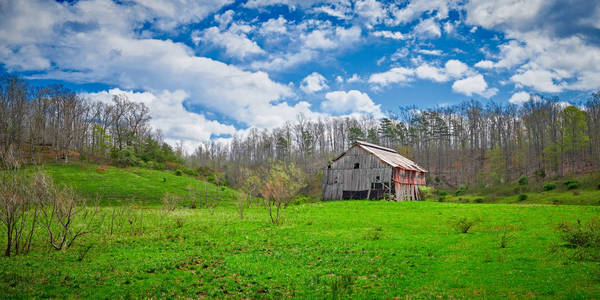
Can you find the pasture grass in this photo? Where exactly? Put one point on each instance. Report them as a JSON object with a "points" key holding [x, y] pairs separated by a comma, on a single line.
{"points": [[331, 250], [113, 185]]}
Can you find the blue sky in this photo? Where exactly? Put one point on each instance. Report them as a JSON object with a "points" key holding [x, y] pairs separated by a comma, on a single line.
{"points": [[214, 68]]}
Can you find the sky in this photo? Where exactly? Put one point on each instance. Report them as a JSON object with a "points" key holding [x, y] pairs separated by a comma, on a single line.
{"points": [[210, 69]]}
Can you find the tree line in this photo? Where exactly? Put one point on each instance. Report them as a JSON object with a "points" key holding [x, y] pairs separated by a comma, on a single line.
{"points": [[468, 143], [55, 123]]}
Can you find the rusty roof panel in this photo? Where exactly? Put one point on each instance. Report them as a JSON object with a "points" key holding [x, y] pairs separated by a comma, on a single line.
{"points": [[390, 157]]}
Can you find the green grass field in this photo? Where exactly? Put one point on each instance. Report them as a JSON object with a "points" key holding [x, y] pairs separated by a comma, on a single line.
{"points": [[337, 250], [360, 249]]}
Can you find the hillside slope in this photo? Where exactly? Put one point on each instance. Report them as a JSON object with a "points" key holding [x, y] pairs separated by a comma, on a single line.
{"points": [[117, 185]]}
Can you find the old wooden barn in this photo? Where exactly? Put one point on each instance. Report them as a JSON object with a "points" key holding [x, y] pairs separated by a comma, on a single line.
{"points": [[369, 171]]}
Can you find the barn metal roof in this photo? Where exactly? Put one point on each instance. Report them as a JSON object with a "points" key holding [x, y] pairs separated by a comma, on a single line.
{"points": [[388, 156]]}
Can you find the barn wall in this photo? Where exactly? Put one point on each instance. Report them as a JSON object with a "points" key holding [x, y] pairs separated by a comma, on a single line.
{"points": [[343, 177]]}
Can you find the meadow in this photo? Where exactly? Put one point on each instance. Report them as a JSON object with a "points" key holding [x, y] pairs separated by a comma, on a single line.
{"points": [[338, 249]]}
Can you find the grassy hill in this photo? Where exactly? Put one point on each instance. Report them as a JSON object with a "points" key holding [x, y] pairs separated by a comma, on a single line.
{"points": [[333, 250], [123, 185], [586, 191]]}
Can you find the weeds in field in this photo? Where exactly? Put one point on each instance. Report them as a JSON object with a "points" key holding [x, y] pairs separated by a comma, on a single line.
{"points": [[584, 238], [465, 224]]}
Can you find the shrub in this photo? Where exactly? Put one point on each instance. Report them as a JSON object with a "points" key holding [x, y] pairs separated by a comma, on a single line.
{"points": [[461, 190], [505, 237], [124, 157], [599, 186], [178, 172], [577, 234], [464, 224], [573, 185], [549, 186], [170, 202], [478, 200], [522, 197], [191, 172], [373, 235], [567, 182], [179, 221], [523, 180]]}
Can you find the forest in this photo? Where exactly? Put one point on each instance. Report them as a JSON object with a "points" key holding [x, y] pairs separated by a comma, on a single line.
{"points": [[469, 143]]}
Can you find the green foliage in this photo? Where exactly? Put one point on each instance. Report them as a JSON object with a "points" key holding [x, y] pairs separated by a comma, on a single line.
{"points": [[478, 200], [461, 190], [572, 184], [549, 186], [574, 127], [522, 197], [523, 180], [178, 172], [355, 134], [580, 234], [464, 224], [124, 157]]}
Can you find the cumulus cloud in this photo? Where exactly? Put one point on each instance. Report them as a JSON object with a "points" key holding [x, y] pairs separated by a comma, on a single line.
{"points": [[108, 51], [428, 28], [545, 45], [414, 9], [313, 83], [353, 101], [474, 85], [519, 98], [235, 42], [452, 69], [394, 75]]}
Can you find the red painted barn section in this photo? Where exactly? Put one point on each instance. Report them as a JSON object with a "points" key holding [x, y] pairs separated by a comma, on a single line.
{"points": [[374, 172]]}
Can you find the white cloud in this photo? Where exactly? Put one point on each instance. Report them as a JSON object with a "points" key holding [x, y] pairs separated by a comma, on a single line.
{"points": [[434, 52], [394, 75], [396, 35], [354, 78], [540, 80], [452, 69], [485, 64], [236, 44], [224, 19], [341, 9], [313, 83], [519, 98], [428, 28], [276, 26], [371, 11], [353, 101], [474, 85], [414, 9], [549, 50]]}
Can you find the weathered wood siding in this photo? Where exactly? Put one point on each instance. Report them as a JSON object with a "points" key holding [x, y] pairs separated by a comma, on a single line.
{"points": [[342, 176]]}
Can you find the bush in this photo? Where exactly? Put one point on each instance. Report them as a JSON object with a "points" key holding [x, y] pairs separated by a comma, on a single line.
{"points": [[573, 185], [577, 234], [191, 172], [178, 172], [549, 186], [124, 157], [461, 190], [523, 180], [478, 200], [522, 197], [567, 182], [464, 225], [599, 186]]}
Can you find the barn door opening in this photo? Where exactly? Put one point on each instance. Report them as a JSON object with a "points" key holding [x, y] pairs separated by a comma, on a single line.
{"points": [[355, 195]]}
